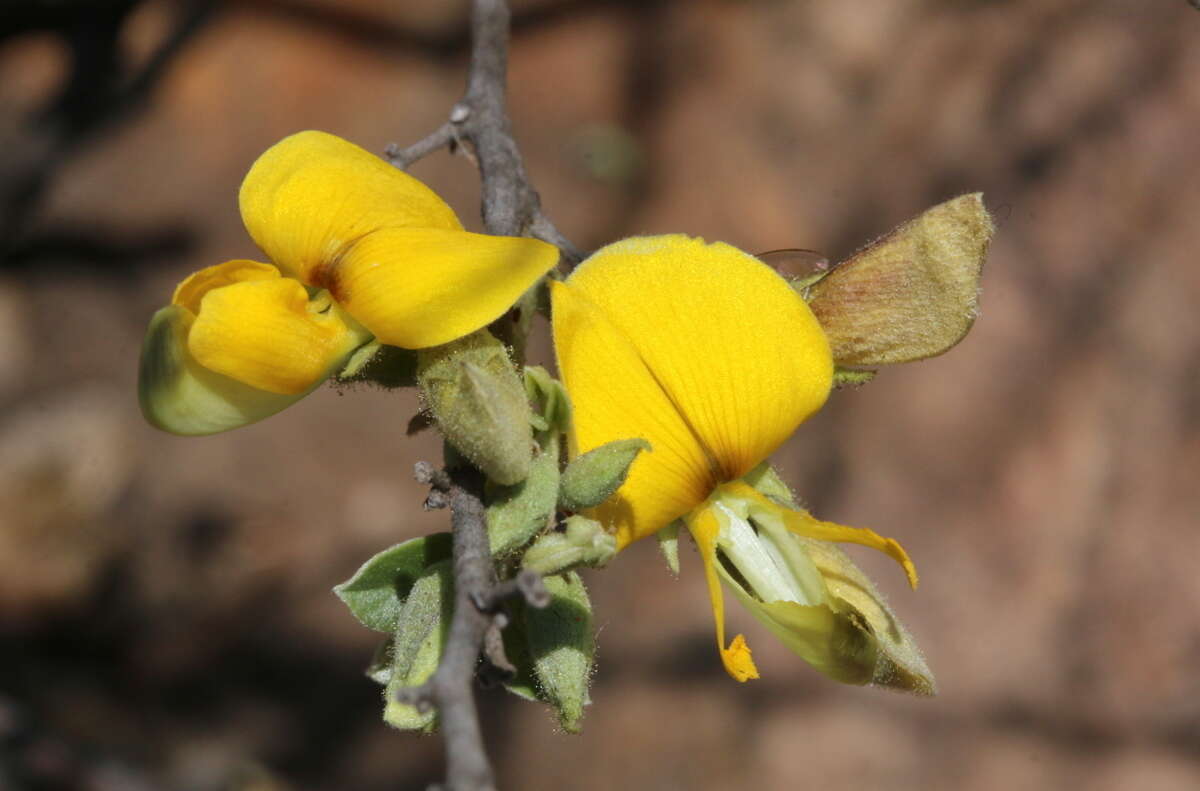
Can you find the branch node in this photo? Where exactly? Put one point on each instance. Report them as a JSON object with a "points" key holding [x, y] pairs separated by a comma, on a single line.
{"points": [[436, 500], [427, 474], [532, 589], [460, 113]]}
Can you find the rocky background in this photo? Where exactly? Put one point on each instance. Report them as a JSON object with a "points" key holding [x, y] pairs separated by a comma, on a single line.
{"points": [[165, 614]]}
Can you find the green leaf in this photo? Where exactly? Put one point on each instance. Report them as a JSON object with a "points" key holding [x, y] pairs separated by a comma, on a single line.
{"points": [[517, 513], [378, 589], [563, 646], [421, 631], [596, 475]]}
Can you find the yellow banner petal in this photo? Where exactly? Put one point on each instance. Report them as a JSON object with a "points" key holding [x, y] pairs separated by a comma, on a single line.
{"points": [[737, 353], [421, 287], [269, 335], [615, 396], [311, 194]]}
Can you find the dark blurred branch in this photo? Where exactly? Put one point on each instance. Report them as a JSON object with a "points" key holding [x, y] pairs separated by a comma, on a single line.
{"points": [[100, 91]]}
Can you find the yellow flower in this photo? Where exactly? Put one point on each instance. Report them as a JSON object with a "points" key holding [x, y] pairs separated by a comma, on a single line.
{"points": [[359, 250], [709, 355]]}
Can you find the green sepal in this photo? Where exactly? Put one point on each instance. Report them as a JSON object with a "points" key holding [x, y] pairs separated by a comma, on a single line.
{"points": [[181, 396], [420, 637], [378, 363], [515, 514], [523, 683], [850, 377], [562, 645], [596, 475], [668, 544], [380, 668], [377, 591], [553, 406], [583, 542], [899, 663], [912, 294], [479, 404], [767, 481]]}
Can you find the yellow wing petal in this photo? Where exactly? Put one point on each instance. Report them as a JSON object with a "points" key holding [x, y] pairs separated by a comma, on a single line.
{"points": [[269, 335], [421, 287], [312, 193], [615, 396], [193, 288], [735, 350]]}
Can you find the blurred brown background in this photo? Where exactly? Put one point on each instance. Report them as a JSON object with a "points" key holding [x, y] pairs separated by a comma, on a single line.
{"points": [[165, 614]]}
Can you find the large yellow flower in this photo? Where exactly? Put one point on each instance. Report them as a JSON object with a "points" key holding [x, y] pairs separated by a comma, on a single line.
{"points": [[359, 250], [711, 356]]}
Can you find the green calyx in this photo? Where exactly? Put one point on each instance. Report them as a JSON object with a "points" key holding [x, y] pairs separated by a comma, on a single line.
{"points": [[479, 404]]}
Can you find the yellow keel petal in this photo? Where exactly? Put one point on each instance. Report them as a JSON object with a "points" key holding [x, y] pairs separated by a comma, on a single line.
{"points": [[736, 658], [179, 395]]}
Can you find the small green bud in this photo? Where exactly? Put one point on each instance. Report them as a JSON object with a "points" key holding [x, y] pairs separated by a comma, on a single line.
{"points": [[593, 477], [562, 645], [479, 404], [517, 513], [549, 398], [585, 542], [911, 294], [417, 645]]}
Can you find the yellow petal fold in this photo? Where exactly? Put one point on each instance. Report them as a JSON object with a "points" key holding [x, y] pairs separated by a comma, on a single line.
{"points": [[802, 523], [421, 287], [710, 339], [311, 194], [192, 289], [268, 334], [179, 395]]}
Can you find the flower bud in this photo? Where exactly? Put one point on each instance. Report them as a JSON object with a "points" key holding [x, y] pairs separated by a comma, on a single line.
{"points": [[479, 403], [593, 477], [585, 542]]}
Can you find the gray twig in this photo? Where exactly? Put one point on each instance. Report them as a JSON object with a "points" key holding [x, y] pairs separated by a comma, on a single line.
{"points": [[510, 207]]}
